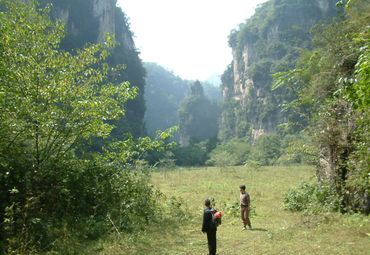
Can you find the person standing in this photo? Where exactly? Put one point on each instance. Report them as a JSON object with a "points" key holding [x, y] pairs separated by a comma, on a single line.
{"points": [[245, 207], [209, 227]]}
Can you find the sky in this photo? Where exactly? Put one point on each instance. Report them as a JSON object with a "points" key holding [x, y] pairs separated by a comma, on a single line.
{"points": [[187, 37]]}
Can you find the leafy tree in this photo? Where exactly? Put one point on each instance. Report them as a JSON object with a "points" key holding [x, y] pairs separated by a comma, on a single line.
{"points": [[357, 92], [51, 101], [195, 154], [297, 149], [81, 29], [232, 153], [267, 149], [50, 98], [198, 117], [331, 82]]}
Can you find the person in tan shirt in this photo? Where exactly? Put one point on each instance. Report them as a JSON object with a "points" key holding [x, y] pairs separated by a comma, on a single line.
{"points": [[244, 207]]}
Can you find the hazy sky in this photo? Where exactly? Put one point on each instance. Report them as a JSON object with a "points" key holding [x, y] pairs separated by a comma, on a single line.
{"points": [[188, 37]]}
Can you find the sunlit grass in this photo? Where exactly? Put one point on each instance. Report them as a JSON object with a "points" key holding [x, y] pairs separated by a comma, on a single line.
{"points": [[276, 231]]}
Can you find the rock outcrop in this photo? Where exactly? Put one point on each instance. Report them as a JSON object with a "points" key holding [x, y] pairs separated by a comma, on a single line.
{"points": [[268, 42], [89, 21]]}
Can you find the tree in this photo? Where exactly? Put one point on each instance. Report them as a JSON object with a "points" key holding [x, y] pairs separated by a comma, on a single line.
{"points": [[50, 100], [267, 149], [331, 85], [198, 117]]}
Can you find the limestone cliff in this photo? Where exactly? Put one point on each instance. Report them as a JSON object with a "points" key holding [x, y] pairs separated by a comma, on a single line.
{"points": [[268, 42], [88, 21]]}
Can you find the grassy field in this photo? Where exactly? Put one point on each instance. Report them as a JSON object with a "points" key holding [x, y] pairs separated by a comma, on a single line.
{"points": [[276, 231]]}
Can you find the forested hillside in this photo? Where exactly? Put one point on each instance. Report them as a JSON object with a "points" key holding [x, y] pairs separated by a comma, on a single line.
{"points": [[192, 107], [299, 83], [164, 92], [268, 42], [330, 90]]}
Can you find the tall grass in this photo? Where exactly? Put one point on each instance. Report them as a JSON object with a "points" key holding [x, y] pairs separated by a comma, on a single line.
{"points": [[276, 231]]}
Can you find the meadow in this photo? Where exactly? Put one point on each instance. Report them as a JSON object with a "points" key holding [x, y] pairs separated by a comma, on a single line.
{"points": [[275, 230]]}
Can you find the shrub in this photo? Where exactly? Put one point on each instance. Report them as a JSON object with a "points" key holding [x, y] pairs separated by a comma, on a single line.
{"points": [[298, 149], [87, 201], [232, 153], [233, 210], [267, 149], [312, 198], [192, 155]]}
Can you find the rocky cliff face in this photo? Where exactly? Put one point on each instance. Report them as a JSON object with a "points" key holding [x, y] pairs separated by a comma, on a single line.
{"points": [[88, 21], [92, 19], [267, 43], [104, 11]]}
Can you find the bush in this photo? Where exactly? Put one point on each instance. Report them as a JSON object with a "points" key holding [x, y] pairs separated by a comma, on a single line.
{"points": [[233, 210], [267, 149], [192, 155], [87, 200], [312, 198], [298, 149], [233, 153]]}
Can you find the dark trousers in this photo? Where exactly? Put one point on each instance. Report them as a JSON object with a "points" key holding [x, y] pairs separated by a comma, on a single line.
{"points": [[211, 238]]}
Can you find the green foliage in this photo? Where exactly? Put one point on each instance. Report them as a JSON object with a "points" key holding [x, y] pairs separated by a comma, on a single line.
{"points": [[163, 94], [268, 42], [330, 91], [167, 161], [357, 86], [131, 152], [51, 101], [267, 149], [52, 98], [298, 149], [232, 153], [198, 117], [312, 198], [195, 154], [81, 29], [358, 95]]}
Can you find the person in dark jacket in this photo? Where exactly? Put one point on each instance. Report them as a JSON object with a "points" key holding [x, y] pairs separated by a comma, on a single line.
{"points": [[209, 227]]}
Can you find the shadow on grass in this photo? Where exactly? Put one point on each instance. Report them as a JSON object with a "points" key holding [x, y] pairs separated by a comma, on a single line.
{"points": [[258, 229]]}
